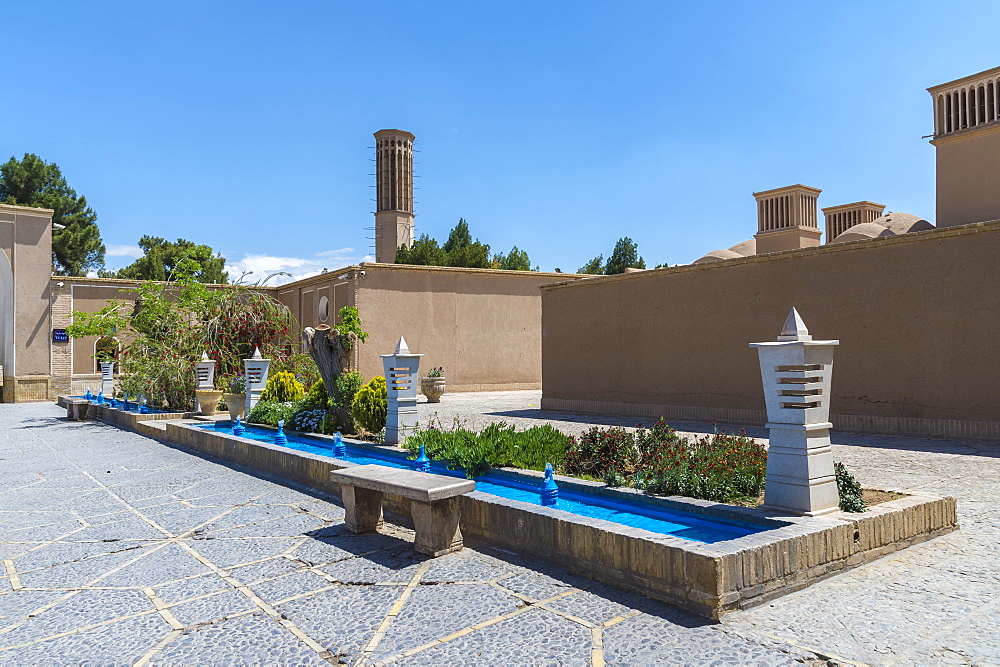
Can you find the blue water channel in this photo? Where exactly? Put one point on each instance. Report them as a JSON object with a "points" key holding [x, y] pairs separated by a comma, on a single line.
{"points": [[638, 515]]}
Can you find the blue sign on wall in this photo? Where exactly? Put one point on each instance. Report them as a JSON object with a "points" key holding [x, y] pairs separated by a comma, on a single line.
{"points": [[60, 336]]}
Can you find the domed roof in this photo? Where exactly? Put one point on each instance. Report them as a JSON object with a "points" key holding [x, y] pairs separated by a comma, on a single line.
{"points": [[746, 249], [903, 223], [866, 230], [717, 255]]}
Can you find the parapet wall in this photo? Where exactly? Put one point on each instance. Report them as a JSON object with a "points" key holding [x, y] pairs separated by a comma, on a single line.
{"points": [[916, 317]]}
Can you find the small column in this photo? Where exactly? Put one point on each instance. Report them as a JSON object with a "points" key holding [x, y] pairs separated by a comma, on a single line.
{"points": [[255, 369], [108, 378], [204, 373], [796, 372], [401, 371], [204, 377]]}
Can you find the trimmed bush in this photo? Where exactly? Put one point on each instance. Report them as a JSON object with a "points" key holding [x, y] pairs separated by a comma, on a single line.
{"points": [[269, 412], [496, 446], [370, 405], [283, 387], [342, 400]]}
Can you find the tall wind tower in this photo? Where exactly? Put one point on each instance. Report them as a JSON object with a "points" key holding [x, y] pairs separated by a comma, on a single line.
{"points": [[394, 210]]}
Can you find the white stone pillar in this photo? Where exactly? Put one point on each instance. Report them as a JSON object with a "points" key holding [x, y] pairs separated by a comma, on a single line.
{"points": [[401, 372], [108, 378], [796, 372], [255, 369], [205, 373]]}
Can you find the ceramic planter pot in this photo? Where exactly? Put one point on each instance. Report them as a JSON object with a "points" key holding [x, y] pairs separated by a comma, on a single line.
{"points": [[433, 388], [236, 404], [208, 399]]}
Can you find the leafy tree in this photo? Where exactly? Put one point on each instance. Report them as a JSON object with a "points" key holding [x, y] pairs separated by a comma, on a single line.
{"points": [[624, 256], [163, 258], [459, 250], [77, 247], [459, 237], [515, 260], [593, 267], [424, 252]]}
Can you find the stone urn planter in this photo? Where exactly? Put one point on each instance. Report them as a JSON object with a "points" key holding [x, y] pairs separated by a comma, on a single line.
{"points": [[208, 399], [236, 404], [433, 388]]}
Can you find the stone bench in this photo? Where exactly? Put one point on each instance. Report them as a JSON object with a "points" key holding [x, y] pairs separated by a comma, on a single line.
{"points": [[76, 408], [433, 503]]}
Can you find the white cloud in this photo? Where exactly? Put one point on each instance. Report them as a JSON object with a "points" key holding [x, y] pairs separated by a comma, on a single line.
{"points": [[116, 250], [299, 267]]}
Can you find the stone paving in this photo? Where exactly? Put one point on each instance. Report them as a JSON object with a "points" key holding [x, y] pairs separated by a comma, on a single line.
{"points": [[117, 549]]}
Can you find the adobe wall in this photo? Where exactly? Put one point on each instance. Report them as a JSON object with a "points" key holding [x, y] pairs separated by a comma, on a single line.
{"points": [[968, 176], [483, 326], [26, 243], [916, 316]]}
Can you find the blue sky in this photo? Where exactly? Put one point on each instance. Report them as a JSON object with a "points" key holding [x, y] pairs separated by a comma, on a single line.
{"points": [[556, 127]]}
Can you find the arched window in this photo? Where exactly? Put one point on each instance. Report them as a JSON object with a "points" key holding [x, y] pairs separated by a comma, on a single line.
{"points": [[991, 107], [107, 348], [981, 102]]}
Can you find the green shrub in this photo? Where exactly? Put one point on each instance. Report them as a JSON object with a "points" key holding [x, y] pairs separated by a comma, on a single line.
{"points": [[370, 404], [342, 401], [722, 468], [600, 451], [496, 446], [269, 412], [282, 387], [317, 398], [849, 490]]}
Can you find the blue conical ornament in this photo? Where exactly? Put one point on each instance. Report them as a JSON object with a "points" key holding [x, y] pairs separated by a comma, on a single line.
{"points": [[422, 463], [142, 407], [125, 402], [238, 427], [113, 402], [339, 450], [550, 492], [100, 397], [88, 396], [279, 437]]}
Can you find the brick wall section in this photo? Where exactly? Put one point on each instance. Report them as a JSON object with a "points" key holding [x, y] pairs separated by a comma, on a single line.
{"points": [[62, 353]]}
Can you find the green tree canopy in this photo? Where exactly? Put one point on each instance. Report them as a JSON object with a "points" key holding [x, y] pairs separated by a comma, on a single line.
{"points": [[424, 252], [461, 250], [593, 267], [162, 258], [624, 256], [77, 247], [515, 260]]}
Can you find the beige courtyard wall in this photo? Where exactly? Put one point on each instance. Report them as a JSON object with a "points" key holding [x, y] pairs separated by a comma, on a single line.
{"points": [[26, 242], [483, 326], [916, 316]]}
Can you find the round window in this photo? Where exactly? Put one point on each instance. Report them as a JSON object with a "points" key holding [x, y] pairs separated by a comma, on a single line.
{"points": [[324, 309]]}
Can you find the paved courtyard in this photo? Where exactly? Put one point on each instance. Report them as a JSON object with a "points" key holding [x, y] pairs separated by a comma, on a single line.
{"points": [[118, 549]]}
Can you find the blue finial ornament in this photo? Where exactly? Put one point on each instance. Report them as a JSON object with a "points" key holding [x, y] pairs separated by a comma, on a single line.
{"points": [[88, 396], [550, 492], [422, 463], [142, 407], [339, 450], [100, 397], [113, 402], [279, 437], [125, 402], [238, 427]]}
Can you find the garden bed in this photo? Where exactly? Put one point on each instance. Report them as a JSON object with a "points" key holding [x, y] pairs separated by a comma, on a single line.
{"points": [[707, 579]]}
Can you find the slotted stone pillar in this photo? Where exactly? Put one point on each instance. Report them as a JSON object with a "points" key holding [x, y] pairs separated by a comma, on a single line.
{"points": [[108, 378], [401, 371], [796, 373], [204, 375], [255, 369]]}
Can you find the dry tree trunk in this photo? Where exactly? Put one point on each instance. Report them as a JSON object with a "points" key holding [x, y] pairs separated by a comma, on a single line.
{"points": [[332, 353]]}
